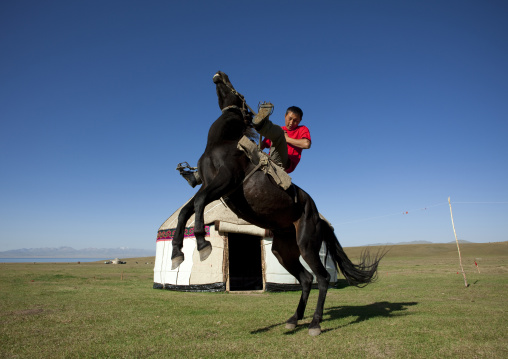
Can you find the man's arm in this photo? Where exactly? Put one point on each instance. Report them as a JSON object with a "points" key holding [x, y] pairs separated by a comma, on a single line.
{"points": [[301, 143]]}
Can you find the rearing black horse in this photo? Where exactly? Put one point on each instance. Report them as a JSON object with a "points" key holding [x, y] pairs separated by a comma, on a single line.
{"points": [[290, 214]]}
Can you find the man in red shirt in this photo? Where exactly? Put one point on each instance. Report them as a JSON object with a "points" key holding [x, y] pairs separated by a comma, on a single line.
{"points": [[286, 143]]}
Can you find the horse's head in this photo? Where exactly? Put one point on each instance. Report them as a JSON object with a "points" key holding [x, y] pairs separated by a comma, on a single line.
{"points": [[226, 93], [229, 98]]}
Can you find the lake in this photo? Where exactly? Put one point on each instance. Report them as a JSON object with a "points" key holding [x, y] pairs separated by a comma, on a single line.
{"points": [[51, 260]]}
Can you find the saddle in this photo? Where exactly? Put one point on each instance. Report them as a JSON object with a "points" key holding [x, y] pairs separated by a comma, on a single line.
{"points": [[263, 162]]}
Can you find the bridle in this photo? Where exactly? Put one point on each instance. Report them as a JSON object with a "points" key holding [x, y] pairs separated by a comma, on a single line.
{"points": [[245, 107], [235, 108]]}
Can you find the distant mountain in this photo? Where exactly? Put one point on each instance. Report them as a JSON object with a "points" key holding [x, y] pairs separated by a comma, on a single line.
{"points": [[400, 243], [413, 242], [122, 252], [68, 252]]}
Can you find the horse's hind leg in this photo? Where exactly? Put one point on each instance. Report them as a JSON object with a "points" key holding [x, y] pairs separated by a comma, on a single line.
{"points": [[186, 212], [287, 252], [309, 243]]}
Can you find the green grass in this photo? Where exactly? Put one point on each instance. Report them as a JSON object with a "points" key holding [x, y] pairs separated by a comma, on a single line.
{"points": [[419, 308]]}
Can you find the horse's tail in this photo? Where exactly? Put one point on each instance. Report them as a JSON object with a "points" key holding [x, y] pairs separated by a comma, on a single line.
{"points": [[358, 275]]}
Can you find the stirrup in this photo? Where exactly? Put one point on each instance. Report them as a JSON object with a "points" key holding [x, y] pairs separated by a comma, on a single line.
{"points": [[265, 109]]}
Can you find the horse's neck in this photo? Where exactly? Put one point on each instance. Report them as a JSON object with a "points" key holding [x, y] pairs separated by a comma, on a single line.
{"points": [[226, 128]]}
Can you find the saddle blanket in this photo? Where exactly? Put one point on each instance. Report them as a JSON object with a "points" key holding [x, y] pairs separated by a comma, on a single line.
{"points": [[263, 161]]}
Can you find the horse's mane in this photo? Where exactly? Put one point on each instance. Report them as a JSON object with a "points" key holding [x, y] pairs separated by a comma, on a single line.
{"points": [[251, 134]]}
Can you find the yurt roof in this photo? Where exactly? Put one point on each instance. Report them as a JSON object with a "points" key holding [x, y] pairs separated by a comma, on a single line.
{"points": [[214, 211]]}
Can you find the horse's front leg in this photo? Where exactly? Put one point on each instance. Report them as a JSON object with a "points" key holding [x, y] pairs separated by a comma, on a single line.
{"points": [[177, 255], [219, 186], [204, 247]]}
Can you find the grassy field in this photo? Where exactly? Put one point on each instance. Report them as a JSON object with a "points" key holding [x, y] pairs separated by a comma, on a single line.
{"points": [[419, 308]]}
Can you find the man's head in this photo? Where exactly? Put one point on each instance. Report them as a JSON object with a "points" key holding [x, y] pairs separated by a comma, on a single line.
{"points": [[293, 117]]}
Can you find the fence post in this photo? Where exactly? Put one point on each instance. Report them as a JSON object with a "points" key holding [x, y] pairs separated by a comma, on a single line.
{"points": [[456, 240]]}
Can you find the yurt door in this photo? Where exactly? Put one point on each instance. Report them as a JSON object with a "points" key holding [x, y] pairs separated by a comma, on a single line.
{"points": [[245, 262]]}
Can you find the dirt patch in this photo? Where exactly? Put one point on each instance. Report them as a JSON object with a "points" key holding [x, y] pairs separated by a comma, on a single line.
{"points": [[28, 312]]}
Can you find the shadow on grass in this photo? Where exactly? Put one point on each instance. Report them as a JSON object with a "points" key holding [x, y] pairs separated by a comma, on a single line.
{"points": [[341, 283], [359, 312], [365, 312]]}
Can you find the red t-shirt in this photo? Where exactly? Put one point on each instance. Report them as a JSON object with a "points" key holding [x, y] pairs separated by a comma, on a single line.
{"points": [[294, 153]]}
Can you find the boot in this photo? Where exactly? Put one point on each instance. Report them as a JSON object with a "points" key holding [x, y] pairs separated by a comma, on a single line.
{"points": [[264, 111]]}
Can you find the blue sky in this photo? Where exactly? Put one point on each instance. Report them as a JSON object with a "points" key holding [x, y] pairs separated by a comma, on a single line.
{"points": [[406, 101]]}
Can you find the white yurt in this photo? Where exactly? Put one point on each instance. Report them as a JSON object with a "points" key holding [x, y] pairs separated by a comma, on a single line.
{"points": [[241, 258]]}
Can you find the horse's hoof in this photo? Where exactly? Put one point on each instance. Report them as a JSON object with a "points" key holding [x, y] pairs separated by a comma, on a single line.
{"points": [[290, 326], [205, 253], [314, 332], [175, 262]]}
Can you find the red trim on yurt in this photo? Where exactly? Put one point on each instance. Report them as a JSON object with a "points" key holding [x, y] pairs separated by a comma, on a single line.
{"points": [[168, 234]]}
